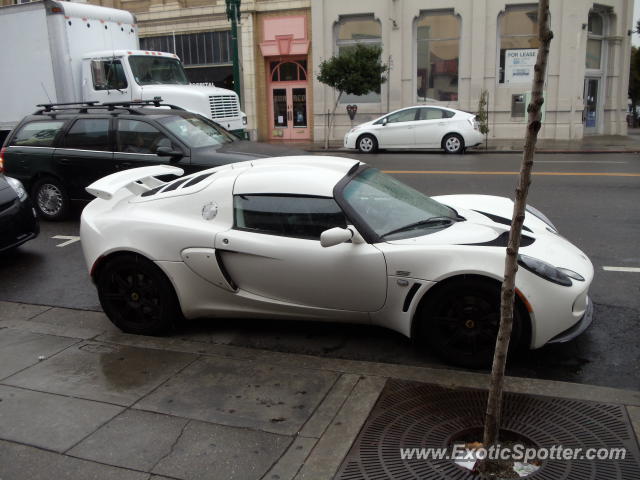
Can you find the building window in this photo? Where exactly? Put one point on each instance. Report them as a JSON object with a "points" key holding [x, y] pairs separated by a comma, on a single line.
{"points": [[593, 60], [350, 31], [288, 71], [205, 55], [438, 39], [518, 29], [518, 107]]}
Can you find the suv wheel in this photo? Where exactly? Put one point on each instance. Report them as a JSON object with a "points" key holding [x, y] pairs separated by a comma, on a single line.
{"points": [[51, 199]]}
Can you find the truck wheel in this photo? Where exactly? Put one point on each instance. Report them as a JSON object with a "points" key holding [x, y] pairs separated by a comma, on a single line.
{"points": [[51, 199]]}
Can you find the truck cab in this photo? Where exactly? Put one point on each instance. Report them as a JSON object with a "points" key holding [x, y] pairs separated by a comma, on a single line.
{"points": [[136, 75]]}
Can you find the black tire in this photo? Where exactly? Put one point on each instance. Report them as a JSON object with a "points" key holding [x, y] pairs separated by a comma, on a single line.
{"points": [[137, 296], [460, 319], [50, 199], [367, 143], [453, 143]]}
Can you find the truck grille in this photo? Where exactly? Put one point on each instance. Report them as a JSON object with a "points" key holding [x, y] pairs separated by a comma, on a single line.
{"points": [[224, 106]]}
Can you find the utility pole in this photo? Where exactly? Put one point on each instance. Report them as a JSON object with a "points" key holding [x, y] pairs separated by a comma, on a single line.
{"points": [[233, 15]]}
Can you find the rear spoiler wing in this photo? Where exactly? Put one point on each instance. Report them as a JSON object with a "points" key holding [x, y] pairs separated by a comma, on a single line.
{"points": [[136, 180]]}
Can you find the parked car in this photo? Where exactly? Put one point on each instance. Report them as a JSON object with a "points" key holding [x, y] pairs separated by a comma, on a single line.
{"points": [[417, 127], [18, 220], [325, 238], [60, 149]]}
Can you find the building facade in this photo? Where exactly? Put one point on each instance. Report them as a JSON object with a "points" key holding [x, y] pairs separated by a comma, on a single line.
{"points": [[442, 52], [446, 52]]}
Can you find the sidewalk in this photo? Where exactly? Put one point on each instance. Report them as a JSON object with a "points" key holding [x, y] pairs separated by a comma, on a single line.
{"points": [[590, 144], [79, 399]]}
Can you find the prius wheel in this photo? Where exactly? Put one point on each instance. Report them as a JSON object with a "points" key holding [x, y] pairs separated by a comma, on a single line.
{"points": [[137, 296], [367, 144], [460, 321], [51, 199], [453, 143]]}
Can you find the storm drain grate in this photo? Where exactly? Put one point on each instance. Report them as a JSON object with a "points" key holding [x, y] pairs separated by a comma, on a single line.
{"points": [[418, 415]]}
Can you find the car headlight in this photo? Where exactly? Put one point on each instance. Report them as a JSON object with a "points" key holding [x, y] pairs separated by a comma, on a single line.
{"points": [[561, 276], [17, 187], [541, 216]]}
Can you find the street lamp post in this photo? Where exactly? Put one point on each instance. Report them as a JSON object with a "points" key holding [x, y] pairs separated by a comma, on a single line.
{"points": [[233, 14]]}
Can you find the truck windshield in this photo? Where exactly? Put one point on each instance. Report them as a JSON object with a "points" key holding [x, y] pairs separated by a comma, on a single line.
{"points": [[152, 70], [196, 131]]}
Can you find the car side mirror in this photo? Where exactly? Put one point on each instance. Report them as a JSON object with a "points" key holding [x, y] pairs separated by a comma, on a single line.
{"points": [[168, 152], [384, 121], [337, 235]]}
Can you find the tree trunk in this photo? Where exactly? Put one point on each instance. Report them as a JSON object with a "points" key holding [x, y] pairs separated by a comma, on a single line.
{"points": [[331, 121], [494, 403]]}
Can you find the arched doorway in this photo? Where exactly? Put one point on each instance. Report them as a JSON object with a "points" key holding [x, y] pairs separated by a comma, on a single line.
{"points": [[288, 86]]}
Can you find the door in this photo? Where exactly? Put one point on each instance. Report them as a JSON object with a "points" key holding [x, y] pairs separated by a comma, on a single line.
{"points": [[274, 251], [432, 125], [590, 115], [85, 155], [399, 129], [136, 145], [105, 81], [290, 116]]}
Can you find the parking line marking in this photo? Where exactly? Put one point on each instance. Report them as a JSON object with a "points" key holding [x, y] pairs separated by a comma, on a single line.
{"points": [[69, 240], [622, 269], [463, 172]]}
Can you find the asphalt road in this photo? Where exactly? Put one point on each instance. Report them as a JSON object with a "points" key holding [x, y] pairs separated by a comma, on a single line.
{"points": [[593, 199]]}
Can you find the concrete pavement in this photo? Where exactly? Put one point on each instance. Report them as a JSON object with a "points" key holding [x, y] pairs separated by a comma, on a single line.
{"points": [[79, 399]]}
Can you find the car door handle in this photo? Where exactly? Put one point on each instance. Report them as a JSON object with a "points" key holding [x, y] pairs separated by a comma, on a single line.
{"points": [[64, 161], [441, 124], [124, 165]]}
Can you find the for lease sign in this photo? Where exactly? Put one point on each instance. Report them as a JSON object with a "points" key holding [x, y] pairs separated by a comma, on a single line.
{"points": [[518, 65]]}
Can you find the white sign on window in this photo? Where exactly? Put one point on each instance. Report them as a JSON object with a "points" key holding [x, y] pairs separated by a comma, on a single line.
{"points": [[518, 65]]}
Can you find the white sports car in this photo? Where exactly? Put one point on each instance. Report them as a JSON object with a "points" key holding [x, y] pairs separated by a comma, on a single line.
{"points": [[325, 238], [417, 127]]}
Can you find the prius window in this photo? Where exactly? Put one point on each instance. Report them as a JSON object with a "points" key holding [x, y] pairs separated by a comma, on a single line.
{"points": [[408, 115], [287, 216], [429, 113]]}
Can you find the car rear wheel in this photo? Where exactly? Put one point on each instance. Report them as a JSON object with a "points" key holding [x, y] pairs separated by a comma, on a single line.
{"points": [[51, 199], [453, 143], [460, 321], [367, 144], [137, 296]]}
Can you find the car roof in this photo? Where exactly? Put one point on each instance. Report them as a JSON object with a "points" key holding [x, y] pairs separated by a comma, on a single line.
{"points": [[118, 111], [296, 175]]}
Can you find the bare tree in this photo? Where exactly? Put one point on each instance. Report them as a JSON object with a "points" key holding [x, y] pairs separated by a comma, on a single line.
{"points": [[494, 403]]}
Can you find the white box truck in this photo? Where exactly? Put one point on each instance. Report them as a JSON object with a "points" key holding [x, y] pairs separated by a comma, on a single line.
{"points": [[74, 52]]}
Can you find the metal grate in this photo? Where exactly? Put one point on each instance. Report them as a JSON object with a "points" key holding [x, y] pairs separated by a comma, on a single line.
{"points": [[418, 415], [224, 106]]}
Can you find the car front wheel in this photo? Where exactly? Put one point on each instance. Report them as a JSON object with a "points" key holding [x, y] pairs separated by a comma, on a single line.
{"points": [[460, 320], [367, 144], [137, 296], [453, 143], [51, 199]]}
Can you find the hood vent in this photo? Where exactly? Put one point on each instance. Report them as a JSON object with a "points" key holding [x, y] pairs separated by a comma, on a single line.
{"points": [[502, 220], [502, 241]]}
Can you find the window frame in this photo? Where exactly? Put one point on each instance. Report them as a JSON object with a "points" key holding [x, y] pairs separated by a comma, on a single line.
{"points": [[434, 13], [375, 98], [107, 86], [600, 38], [500, 73], [159, 128], [54, 142], [63, 140], [282, 195]]}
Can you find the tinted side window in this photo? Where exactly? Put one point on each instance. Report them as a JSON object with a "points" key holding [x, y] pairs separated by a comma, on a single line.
{"points": [[403, 116], [37, 134], [287, 216], [108, 75], [135, 136], [89, 134], [434, 114]]}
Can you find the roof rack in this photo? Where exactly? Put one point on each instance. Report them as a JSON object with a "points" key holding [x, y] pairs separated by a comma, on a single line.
{"points": [[83, 107]]}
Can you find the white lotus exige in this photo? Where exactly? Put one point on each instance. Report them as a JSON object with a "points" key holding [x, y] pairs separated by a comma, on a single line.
{"points": [[325, 238]]}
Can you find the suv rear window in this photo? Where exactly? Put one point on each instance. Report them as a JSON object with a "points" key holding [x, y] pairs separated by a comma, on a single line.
{"points": [[37, 134]]}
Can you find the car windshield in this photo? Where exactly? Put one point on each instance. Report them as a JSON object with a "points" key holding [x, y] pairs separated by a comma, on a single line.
{"points": [[197, 132], [394, 210], [153, 70]]}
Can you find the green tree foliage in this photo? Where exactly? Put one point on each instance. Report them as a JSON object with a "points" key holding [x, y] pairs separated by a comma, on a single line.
{"points": [[481, 116], [358, 70], [634, 81]]}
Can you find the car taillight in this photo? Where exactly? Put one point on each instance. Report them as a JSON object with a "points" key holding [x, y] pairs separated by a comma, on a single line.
{"points": [[2, 159]]}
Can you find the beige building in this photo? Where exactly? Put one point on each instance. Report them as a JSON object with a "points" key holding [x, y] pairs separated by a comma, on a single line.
{"points": [[446, 51], [440, 52]]}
